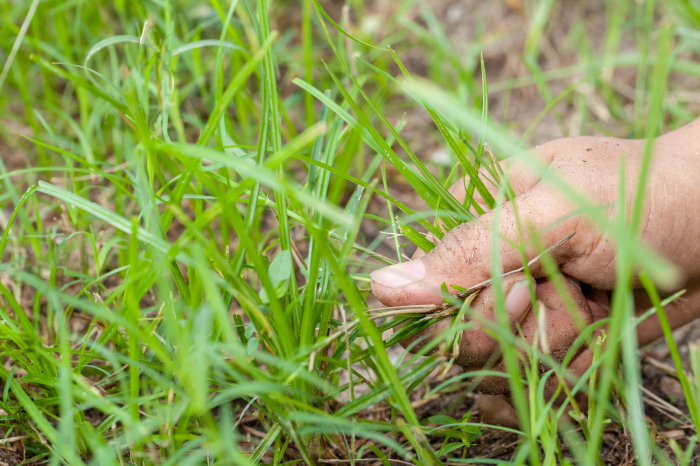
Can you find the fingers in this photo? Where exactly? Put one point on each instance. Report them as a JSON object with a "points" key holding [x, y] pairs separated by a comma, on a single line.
{"points": [[477, 346], [463, 257], [679, 313], [555, 333]]}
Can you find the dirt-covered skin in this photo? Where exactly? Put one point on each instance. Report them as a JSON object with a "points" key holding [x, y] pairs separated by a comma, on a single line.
{"points": [[591, 165]]}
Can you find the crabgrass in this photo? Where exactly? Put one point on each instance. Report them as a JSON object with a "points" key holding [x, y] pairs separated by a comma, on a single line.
{"points": [[188, 209]]}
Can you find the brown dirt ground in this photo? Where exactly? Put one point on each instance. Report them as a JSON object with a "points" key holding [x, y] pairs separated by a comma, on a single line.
{"points": [[12, 452]]}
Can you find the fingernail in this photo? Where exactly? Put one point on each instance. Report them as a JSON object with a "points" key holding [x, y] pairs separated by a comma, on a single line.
{"points": [[518, 300], [399, 274]]}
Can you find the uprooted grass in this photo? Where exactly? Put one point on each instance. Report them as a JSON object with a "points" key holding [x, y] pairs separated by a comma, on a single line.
{"points": [[169, 291]]}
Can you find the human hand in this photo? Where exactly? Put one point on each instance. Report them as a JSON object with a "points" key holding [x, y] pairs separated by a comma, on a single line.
{"points": [[590, 165]]}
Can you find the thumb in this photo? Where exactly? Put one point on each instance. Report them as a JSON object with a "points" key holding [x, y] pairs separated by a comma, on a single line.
{"points": [[463, 258]]}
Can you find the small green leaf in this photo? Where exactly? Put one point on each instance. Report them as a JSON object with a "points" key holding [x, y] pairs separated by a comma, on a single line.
{"points": [[279, 272], [442, 419], [249, 330], [280, 268], [450, 447], [252, 346]]}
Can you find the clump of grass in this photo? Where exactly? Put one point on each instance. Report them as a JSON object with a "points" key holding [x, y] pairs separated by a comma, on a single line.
{"points": [[169, 291]]}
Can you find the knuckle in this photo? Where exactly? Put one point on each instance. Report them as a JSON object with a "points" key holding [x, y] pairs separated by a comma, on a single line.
{"points": [[460, 246]]}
